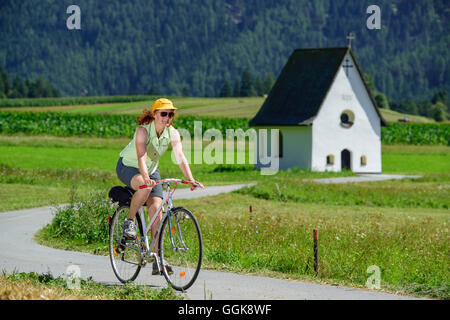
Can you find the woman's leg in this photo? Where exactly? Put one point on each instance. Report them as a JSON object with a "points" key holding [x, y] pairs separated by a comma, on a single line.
{"points": [[139, 197], [153, 204]]}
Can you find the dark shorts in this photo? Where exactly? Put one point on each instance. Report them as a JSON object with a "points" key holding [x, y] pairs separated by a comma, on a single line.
{"points": [[125, 174]]}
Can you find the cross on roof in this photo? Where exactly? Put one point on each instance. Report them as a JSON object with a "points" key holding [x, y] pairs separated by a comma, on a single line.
{"points": [[346, 66], [350, 37]]}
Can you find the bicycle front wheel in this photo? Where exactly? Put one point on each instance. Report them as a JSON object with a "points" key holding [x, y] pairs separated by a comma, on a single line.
{"points": [[181, 248], [125, 255]]}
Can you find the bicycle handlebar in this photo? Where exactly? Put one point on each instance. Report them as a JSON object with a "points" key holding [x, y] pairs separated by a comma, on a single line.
{"points": [[170, 180]]}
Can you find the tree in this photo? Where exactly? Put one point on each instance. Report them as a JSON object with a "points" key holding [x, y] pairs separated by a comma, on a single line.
{"points": [[441, 96], [151, 91], [269, 81], [259, 87], [438, 111], [424, 108], [247, 89], [370, 82], [404, 107], [237, 88], [185, 92], [382, 101], [225, 91]]}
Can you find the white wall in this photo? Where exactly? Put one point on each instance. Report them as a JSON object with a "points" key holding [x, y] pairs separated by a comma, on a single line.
{"points": [[297, 147], [330, 137], [296, 144]]}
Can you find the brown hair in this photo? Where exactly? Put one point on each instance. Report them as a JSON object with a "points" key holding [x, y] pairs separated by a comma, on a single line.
{"points": [[146, 117]]}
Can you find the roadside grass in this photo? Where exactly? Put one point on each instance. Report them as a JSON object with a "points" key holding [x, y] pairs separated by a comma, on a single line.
{"points": [[431, 191], [401, 226], [409, 245], [16, 196], [33, 286]]}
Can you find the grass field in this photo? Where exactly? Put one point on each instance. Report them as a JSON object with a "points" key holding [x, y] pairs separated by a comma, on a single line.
{"points": [[399, 226], [217, 107], [212, 107]]}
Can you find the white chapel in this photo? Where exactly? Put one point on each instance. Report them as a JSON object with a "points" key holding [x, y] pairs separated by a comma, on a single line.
{"points": [[326, 115]]}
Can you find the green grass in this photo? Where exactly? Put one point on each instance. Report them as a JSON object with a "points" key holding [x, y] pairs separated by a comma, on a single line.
{"points": [[394, 116], [400, 226], [416, 159], [34, 286], [409, 245], [426, 192]]}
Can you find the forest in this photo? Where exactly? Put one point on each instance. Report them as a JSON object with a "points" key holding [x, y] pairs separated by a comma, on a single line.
{"points": [[220, 47]]}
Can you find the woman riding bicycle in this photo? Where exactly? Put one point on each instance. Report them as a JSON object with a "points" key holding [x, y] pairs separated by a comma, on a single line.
{"points": [[138, 163]]}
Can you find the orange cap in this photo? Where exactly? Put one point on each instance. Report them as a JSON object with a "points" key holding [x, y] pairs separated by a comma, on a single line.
{"points": [[163, 103]]}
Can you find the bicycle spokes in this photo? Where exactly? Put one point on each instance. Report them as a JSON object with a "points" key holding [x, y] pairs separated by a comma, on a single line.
{"points": [[125, 255], [181, 248]]}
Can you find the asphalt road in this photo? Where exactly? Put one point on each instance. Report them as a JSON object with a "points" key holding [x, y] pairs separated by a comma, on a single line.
{"points": [[19, 252]]}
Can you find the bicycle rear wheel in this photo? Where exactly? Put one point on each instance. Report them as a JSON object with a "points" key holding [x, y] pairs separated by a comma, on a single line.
{"points": [[181, 247], [125, 255]]}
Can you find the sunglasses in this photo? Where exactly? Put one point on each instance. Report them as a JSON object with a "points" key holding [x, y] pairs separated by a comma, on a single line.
{"points": [[165, 114]]}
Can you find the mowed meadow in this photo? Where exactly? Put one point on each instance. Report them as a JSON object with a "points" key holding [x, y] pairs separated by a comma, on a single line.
{"points": [[400, 226]]}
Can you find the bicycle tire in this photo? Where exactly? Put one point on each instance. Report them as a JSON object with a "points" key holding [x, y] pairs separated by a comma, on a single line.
{"points": [[185, 260], [125, 255]]}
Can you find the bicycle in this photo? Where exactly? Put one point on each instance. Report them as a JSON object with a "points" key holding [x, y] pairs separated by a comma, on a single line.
{"points": [[179, 238]]}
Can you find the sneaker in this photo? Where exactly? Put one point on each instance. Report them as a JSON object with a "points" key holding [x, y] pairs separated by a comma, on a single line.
{"points": [[156, 271], [129, 230]]}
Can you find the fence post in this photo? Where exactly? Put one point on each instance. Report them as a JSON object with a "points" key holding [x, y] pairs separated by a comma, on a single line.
{"points": [[316, 250]]}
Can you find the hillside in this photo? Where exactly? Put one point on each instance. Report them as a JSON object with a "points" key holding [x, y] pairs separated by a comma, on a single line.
{"points": [[192, 47]]}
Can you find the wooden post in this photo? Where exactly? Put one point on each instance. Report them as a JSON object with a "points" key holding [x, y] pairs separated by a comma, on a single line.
{"points": [[316, 250]]}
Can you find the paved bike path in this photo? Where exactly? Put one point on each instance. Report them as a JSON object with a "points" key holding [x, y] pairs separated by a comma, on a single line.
{"points": [[19, 252]]}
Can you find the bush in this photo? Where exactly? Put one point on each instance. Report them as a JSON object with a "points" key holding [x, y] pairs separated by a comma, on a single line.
{"points": [[83, 220]]}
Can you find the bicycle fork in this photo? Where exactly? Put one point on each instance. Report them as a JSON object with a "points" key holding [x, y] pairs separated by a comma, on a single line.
{"points": [[172, 232]]}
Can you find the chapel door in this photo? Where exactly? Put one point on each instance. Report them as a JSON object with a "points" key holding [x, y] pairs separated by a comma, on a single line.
{"points": [[345, 160]]}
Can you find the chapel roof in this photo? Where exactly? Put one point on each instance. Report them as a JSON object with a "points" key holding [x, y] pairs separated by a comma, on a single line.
{"points": [[302, 87]]}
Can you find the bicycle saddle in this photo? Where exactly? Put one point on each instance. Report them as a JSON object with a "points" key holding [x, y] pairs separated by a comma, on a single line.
{"points": [[120, 194]]}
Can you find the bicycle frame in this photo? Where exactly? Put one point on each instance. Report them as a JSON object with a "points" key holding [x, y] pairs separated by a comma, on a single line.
{"points": [[146, 228], [144, 247], [167, 199]]}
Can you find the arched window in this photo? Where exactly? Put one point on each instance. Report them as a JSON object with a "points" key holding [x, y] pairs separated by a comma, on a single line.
{"points": [[363, 160], [330, 160]]}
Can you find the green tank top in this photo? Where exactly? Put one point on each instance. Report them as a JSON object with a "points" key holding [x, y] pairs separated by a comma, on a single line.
{"points": [[156, 147]]}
